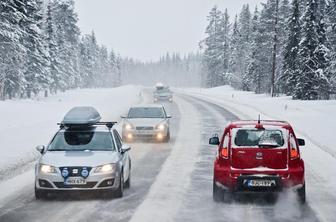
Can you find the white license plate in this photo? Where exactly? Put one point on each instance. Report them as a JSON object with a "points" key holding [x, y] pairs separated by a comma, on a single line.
{"points": [[261, 183], [75, 181], [144, 132]]}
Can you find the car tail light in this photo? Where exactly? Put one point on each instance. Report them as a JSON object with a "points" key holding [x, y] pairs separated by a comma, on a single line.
{"points": [[224, 152], [294, 153]]}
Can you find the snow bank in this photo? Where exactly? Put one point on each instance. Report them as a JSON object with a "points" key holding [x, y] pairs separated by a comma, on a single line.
{"points": [[27, 123]]}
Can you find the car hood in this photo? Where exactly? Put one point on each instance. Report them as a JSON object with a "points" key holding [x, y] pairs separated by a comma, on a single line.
{"points": [[79, 158], [145, 121]]}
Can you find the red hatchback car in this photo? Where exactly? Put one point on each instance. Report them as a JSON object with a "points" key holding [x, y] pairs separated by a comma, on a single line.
{"points": [[258, 156]]}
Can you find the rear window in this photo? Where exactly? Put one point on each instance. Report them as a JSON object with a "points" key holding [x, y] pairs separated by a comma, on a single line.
{"points": [[258, 138], [146, 112], [79, 141]]}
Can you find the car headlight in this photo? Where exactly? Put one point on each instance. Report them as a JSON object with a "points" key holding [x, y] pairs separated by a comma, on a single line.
{"points": [[161, 126], [107, 168], [128, 126], [47, 169]]}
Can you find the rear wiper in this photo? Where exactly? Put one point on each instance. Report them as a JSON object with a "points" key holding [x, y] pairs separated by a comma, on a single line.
{"points": [[268, 145]]}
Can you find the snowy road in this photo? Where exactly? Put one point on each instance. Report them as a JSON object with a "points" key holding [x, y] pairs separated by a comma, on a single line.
{"points": [[170, 182]]}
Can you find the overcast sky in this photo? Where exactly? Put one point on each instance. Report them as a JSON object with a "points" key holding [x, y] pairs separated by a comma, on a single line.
{"points": [[147, 29]]}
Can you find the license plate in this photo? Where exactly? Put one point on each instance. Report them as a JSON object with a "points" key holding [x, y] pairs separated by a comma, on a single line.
{"points": [[75, 181], [144, 132], [261, 183]]}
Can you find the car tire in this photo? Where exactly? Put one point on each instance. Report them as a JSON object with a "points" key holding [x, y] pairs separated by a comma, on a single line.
{"points": [[40, 194], [302, 194], [167, 139], [128, 181], [120, 191], [217, 193]]}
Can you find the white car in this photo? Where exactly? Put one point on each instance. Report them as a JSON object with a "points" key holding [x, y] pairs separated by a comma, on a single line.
{"points": [[84, 155], [146, 122]]}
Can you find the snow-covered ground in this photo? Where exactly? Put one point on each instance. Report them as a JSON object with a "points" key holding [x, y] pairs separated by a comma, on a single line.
{"points": [[314, 121], [27, 123]]}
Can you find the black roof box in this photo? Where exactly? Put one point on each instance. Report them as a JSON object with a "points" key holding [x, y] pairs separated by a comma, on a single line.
{"points": [[81, 115]]}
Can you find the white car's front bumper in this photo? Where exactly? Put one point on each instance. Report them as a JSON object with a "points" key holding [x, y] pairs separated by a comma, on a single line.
{"points": [[54, 182]]}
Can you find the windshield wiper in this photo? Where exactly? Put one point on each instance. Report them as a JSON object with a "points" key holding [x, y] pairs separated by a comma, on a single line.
{"points": [[268, 145]]}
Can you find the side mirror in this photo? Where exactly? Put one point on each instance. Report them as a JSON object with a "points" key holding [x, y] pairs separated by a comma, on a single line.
{"points": [[168, 117], [40, 149], [214, 141], [125, 148], [301, 142]]}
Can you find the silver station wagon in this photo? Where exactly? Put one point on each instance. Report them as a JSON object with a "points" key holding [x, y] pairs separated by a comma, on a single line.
{"points": [[84, 155]]}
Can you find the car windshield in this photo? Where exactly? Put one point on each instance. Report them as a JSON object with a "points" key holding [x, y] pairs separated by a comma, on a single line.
{"points": [[80, 141], [259, 138], [164, 90], [146, 112]]}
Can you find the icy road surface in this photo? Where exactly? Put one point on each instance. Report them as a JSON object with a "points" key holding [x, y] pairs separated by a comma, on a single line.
{"points": [[170, 182]]}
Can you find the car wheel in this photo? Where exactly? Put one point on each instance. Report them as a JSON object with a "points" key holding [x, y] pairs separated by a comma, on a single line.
{"points": [[120, 191], [40, 194], [128, 181], [167, 139], [217, 193], [302, 194]]}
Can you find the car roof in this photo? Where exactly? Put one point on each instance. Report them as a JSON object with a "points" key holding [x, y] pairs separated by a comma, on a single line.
{"points": [[242, 123], [148, 106]]}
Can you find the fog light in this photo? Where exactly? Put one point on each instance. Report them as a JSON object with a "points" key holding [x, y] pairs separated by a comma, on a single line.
{"points": [[159, 136], [109, 182]]}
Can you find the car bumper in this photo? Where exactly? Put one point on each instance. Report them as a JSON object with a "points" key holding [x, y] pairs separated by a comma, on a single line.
{"points": [[166, 98], [148, 134], [233, 180], [56, 182]]}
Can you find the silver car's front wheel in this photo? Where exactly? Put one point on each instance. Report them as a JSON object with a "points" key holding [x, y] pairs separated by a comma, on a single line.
{"points": [[120, 191], [40, 194]]}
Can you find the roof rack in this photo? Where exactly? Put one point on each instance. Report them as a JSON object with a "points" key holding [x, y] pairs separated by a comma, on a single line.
{"points": [[107, 124]]}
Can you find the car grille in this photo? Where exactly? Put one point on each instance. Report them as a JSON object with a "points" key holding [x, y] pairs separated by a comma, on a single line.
{"points": [[75, 171], [144, 128], [87, 185]]}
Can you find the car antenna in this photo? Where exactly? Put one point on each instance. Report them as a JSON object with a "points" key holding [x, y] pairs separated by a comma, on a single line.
{"points": [[259, 119]]}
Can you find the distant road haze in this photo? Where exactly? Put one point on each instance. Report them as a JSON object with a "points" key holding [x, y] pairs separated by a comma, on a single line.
{"points": [[147, 29]]}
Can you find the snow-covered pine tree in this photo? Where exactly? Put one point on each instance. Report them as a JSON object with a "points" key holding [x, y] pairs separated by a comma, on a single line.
{"points": [[113, 69], [212, 45], [12, 51], [88, 60], [288, 80], [37, 73], [225, 77], [323, 54], [244, 25], [53, 50], [253, 78], [308, 87], [68, 41], [267, 28], [235, 55], [283, 29], [330, 18]]}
